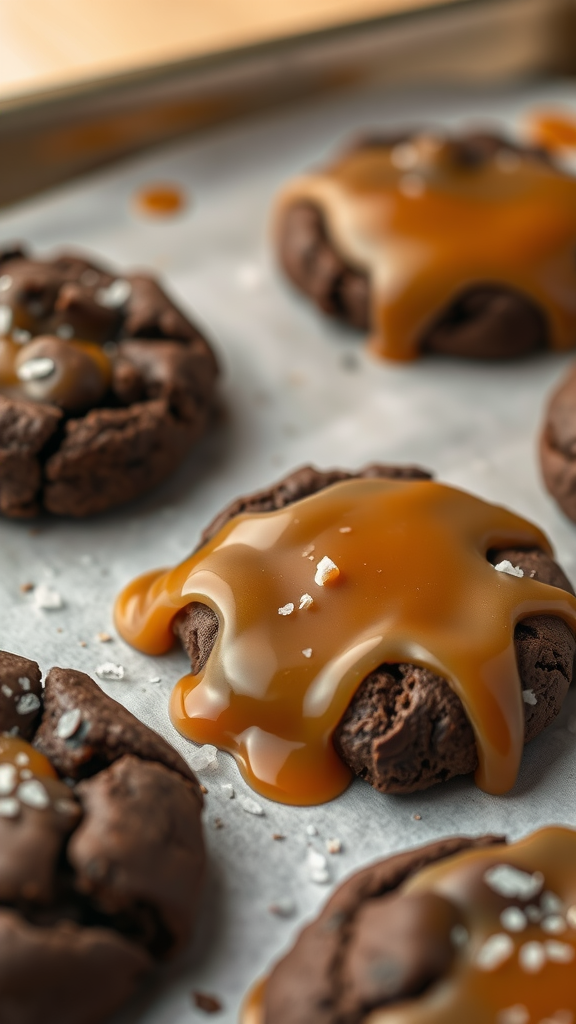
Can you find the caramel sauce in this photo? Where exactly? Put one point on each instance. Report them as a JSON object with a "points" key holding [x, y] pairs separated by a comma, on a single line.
{"points": [[15, 751], [425, 228], [553, 130], [80, 376], [523, 987], [161, 200], [413, 586]]}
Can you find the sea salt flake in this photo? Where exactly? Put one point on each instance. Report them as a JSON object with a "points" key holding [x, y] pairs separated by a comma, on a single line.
{"points": [[532, 957], [286, 609], [68, 723], [7, 691], [305, 602], [33, 794], [507, 567], [5, 319], [250, 806], [47, 598], [513, 920], [459, 936], [22, 759], [65, 331], [283, 908], [554, 924], [115, 295], [317, 868], [529, 697], [5, 282], [28, 702], [311, 830], [308, 550], [334, 845], [9, 807], [8, 779], [204, 757], [25, 773], [108, 670], [495, 951], [228, 790], [307, 652], [517, 1014], [571, 916], [559, 952], [512, 883], [155, 679], [550, 903], [326, 571], [36, 369], [345, 529], [24, 682]]}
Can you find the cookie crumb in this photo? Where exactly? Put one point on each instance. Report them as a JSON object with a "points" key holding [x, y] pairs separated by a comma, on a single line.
{"points": [[417, 817], [326, 571], [105, 638], [278, 836], [82, 643], [334, 845], [203, 789], [207, 1003], [26, 587], [218, 823], [108, 670]]}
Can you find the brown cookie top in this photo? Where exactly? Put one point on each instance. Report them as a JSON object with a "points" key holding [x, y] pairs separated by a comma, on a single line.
{"points": [[432, 933], [424, 191], [80, 347], [401, 726], [110, 865]]}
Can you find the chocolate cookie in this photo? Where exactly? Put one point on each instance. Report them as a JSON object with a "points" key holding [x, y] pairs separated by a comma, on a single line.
{"points": [[322, 248], [420, 936], [405, 728], [104, 385], [101, 850], [558, 445]]}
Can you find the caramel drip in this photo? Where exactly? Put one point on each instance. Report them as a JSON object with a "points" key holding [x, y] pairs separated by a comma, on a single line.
{"points": [[161, 200], [23, 755], [535, 986], [414, 586], [553, 130], [425, 228]]}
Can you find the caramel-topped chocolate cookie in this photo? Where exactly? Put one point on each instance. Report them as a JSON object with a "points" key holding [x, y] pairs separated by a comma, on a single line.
{"points": [[462, 930], [104, 385], [101, 849], [303, 606], [461, 245]]}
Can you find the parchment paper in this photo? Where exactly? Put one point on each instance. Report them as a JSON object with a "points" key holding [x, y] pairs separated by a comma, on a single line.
{"points": [[296, 389]]}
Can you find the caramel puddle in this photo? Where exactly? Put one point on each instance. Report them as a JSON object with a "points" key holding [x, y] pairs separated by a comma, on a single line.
{"points": [[413, 585]]}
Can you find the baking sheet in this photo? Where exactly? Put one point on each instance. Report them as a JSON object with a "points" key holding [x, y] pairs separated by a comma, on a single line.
{"points": [[297, 389]]}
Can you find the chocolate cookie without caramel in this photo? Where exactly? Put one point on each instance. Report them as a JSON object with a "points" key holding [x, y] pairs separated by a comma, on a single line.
{"points": [[98, 879], [405, 728], [488, 320], [104, 386], [558, 445]]}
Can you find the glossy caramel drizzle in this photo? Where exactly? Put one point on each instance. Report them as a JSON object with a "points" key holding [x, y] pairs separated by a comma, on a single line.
{"points": [[425, 228], [23, 755], [414, 586], [533, 981]]}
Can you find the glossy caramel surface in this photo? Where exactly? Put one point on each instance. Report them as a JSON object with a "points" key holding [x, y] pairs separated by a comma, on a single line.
{"points": [[515, 953], [426, 226], [23, 755], [412, 584]]}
